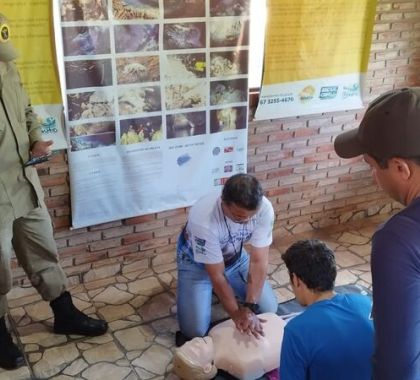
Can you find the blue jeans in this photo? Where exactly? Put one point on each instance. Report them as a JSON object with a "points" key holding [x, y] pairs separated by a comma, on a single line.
{"points": [[195, 289]]}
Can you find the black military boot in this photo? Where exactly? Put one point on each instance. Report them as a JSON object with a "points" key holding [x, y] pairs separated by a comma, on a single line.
{"points": [[69, 320], [10, 356]]}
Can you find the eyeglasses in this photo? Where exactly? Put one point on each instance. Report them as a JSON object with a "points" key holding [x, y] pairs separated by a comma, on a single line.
{"points": [[238, 214]]}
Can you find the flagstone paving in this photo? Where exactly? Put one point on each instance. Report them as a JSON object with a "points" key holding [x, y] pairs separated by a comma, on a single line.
{"points": [[140, 308]]}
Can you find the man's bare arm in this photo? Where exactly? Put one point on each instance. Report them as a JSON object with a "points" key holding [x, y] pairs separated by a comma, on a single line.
{"points": [[245, 320], [257, 273]]}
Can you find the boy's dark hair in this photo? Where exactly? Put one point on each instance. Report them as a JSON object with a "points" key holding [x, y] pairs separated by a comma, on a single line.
{"points": [[313, 262], [243, 190]]}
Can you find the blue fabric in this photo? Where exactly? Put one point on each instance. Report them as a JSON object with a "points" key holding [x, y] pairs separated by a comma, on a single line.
{"points": [[396, 296], [293, 306], [330, 340], [194, 293]]}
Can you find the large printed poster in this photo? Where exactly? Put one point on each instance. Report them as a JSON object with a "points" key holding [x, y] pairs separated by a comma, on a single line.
{"points": [[31, 27], [156, 94], [316, 56]]}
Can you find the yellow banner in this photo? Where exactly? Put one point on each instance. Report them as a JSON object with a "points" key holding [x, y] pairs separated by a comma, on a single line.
{"points": [[31, 31], [309, 39], [316, 56]]}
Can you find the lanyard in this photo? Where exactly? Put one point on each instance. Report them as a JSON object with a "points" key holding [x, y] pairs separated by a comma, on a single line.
{"points": [[237, 253]]}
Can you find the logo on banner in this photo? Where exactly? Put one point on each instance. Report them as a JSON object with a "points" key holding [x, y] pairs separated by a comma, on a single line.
{"points": [[228, 149], [49, 125], [4, 33], [228, 168], [328, 92], [220, 181], [349, 91], [216, 151], [240, 168], [183, 159], [307, 94]]}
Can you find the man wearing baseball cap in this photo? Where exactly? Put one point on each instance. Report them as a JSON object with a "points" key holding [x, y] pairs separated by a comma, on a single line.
{"points": [[389, 139], [25, 224]]}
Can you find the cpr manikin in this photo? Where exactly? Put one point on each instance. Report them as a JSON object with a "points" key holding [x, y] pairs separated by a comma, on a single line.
{"points": [[226, 348]]}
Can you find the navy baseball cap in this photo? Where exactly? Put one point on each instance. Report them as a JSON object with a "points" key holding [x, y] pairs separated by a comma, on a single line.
{"points": [[389, 128]]}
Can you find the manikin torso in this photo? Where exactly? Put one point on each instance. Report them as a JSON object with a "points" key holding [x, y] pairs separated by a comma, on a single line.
{"points": [[241, 355]]}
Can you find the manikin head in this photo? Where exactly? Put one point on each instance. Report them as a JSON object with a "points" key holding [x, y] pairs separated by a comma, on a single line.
{"points": [[195, 360]]}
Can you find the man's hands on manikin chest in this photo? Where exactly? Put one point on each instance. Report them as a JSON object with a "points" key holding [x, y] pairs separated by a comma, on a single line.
{"points": [[244, 318], [248, 322]]}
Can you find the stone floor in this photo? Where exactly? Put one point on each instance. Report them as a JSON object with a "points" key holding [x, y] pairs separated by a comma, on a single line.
{"points": [[141, 314]]}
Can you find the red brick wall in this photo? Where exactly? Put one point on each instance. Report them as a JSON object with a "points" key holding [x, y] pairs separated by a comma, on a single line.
{"points": [[294, 158]]}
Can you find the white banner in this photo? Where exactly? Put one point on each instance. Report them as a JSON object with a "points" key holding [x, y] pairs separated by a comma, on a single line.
{"points": [[310, 96], [157, 108]]}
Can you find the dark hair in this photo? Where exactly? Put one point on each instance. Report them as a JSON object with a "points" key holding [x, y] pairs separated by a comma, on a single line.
{"points": [[313, 263], [243, 190], [383, 162]]}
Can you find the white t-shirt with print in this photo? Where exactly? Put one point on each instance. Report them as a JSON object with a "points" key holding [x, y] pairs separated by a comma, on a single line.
{"points": [[215, 238]]}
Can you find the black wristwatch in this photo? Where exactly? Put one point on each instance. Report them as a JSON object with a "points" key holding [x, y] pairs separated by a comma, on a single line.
{"points": [[251, 306]]}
